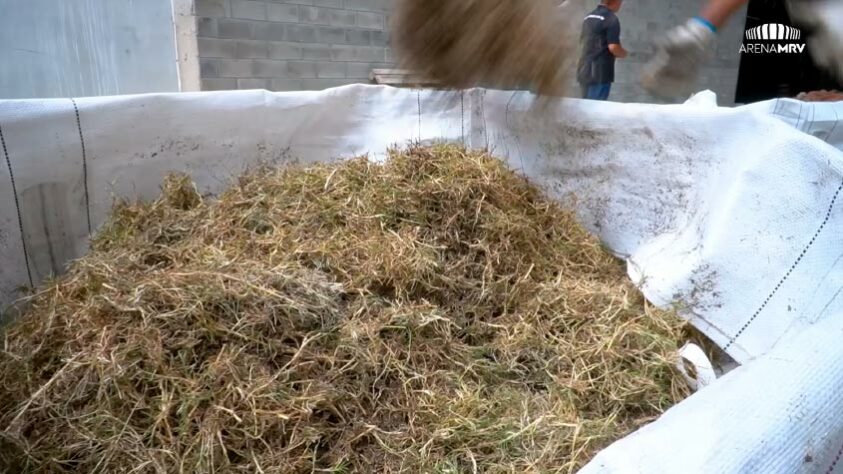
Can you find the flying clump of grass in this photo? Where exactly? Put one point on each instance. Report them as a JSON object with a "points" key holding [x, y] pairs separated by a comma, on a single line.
{"points": [[433, 313]]}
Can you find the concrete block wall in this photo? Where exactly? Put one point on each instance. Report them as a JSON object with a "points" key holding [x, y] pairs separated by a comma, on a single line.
{"points": [[291, 44], [286, 45]]}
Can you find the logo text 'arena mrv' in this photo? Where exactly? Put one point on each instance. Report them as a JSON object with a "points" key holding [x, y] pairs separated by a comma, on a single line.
{"points": [[773, 38]]}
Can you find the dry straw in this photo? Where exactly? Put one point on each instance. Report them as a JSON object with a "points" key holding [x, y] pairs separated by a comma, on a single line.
{"points": [[434, 313], [517, 44]]}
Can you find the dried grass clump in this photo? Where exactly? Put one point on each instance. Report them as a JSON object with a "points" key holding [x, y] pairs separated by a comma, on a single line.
{"points": [[489, 43], [434, 313]]}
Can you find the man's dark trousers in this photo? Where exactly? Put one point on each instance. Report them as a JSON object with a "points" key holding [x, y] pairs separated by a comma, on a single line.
{"points": [[596, 91]]}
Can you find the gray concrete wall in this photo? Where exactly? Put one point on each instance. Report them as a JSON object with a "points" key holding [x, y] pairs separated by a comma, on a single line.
{"points": [[62, 48], [314, 44], [290, 45]]}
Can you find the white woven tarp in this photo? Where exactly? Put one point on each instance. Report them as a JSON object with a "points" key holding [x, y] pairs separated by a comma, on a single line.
{"points": [[733, 214]]}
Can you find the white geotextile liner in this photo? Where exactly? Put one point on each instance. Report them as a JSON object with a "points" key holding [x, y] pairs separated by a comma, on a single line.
{"points": [[732, 214], [820, 119]]}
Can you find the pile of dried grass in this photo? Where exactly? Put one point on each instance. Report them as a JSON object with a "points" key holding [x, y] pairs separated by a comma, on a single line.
{"points": [[431, 314], [490, 43]]}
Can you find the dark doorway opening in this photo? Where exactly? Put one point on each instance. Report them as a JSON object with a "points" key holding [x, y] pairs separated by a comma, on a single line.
{"points": [[765, 76]]}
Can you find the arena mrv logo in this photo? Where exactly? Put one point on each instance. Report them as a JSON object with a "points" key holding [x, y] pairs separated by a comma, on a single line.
{"points": [[773, 38]]}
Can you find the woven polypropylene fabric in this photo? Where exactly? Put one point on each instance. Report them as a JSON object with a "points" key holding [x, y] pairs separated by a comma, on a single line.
{"points": [[733, 214]]}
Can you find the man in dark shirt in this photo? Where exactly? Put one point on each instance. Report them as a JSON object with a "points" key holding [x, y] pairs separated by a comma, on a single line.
{"points": [[601, 44]]}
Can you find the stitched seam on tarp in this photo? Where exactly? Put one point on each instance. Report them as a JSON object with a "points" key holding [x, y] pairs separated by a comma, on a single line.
{"points": [[17, 207], [790, 271]]}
